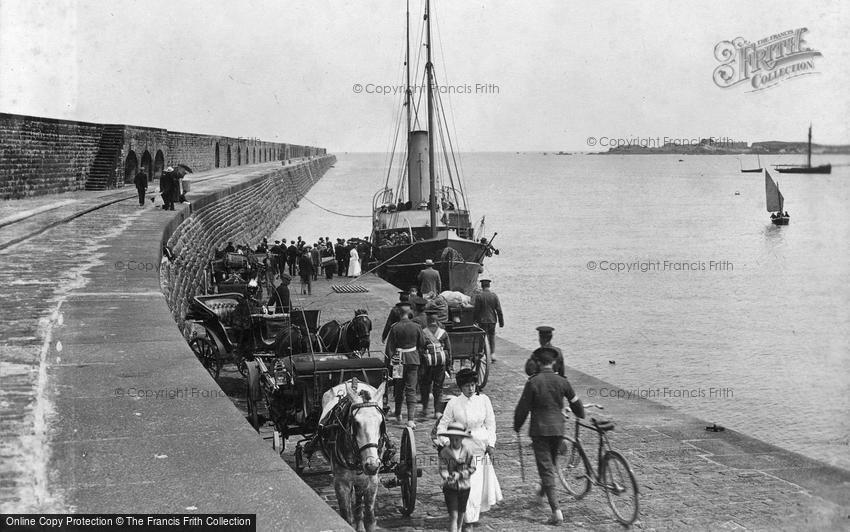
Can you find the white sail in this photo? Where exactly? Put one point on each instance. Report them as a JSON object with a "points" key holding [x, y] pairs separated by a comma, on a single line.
{"points": [[773, 197]]}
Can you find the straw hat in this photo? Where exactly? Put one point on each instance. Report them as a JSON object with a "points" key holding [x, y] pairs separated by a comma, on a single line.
{"points": [[455, 429]]}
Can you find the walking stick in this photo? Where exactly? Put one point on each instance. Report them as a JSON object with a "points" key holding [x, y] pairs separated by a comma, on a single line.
{"points": [[521, 459]]}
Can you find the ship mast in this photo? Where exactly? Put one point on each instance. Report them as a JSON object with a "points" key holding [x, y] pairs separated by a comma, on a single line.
{"points": [[407, 82], [809, 151], [429, 69]]}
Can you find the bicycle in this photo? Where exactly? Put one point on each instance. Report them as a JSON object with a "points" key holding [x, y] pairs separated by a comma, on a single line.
{"points": [[613, 474]]}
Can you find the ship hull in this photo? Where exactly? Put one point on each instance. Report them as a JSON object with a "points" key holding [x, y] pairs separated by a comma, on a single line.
{"points": [[781, 220], [458, 262], [822, 169]]}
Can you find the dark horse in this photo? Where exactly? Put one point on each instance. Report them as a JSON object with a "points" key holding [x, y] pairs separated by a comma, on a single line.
{"points": [[292, 341], [351, 336]]}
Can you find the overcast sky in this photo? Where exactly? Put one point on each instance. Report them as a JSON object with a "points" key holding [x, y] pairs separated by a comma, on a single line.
{"points": [[286, 70]]}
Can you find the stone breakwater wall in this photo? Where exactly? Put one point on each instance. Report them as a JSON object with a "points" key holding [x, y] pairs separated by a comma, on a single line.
{"points": [[244, 213], [41, 155]]}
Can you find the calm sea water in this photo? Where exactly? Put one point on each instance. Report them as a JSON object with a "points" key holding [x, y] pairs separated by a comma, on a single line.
{"points": [[714, 310]]}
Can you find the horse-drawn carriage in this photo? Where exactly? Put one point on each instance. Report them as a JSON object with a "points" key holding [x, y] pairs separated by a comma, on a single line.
{"points": [[469, 343], [231, 272], [215, 338], [329, 400]]}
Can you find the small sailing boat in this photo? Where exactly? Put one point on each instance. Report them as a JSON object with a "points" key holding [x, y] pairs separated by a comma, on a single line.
{"points": [[808, 169], [748, 170], [775, 201], [426, 217]]}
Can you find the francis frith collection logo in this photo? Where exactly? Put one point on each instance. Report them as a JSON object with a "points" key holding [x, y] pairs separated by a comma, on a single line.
{"points": [[765, 63]]}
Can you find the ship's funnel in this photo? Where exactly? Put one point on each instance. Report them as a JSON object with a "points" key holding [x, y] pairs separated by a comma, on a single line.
{"points": [[418, 187]]}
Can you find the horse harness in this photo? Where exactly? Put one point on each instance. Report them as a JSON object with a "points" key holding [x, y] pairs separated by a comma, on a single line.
{"points": [[345, 440]]}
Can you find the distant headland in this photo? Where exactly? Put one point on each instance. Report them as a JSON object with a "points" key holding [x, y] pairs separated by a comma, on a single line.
{"points": [[713, 146]]}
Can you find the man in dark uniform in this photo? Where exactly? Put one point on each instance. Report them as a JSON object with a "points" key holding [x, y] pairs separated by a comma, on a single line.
{"points": [[341, 257], [429, 279], [419, 317], [141, 182], [281, 296], [544, 336], [291, 257], [278, 256], [543, 396], [486, 312], [395, 314], [242, 319], [405, 344]]}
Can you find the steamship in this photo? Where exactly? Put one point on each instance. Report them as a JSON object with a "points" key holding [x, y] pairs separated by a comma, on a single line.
{"points": [[426, 215]]}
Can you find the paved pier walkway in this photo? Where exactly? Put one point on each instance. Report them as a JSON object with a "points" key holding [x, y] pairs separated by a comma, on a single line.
{"points": [[104, 406], [689, 478]]}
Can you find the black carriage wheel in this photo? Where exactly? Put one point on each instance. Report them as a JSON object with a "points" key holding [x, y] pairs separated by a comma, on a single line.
{"points": [[407, 472], [299, 459], [482, 365], [207, 354], [241, 366], [253, 417]]}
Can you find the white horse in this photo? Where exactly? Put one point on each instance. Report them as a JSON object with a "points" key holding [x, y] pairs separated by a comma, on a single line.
{"points": [[353, 436]]}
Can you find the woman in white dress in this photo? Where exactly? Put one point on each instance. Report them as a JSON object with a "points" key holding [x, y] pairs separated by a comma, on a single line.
{"points": [[354, 263], [475, 412]]}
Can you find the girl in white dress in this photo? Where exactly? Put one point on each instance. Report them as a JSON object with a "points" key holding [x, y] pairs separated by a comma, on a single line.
{"points": [[354, 263], [475, 412]]}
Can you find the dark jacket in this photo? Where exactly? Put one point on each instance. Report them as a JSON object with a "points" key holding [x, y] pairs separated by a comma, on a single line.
{"points": [[141, 180], [532, 365], [281, 297], [488, 309], [305, 267], [292, 253], [393, 318], [543, 396], [429, 281], [406, 335]]}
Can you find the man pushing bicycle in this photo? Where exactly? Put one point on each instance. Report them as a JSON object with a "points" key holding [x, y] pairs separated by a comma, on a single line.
{"points": [[543, 396]]}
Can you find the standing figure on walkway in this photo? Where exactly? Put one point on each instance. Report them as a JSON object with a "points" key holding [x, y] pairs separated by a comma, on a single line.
{"points": [[457, 464], [341, 257], [487, 311], [141, 182], [305, 270], [316, 257], [280, 297], [395, 313], [437, 362], [543, 396], [167, 183], [353, 263], [291, 257], [404, 345], [474, 411], [429, 279], [544, 337]]}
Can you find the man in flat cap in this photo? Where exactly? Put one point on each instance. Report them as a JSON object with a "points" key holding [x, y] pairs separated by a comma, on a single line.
{"points": [[487, 310], [404, 346], [419, 317], [543, 396], [429, 279], [395, 313], [544, 336]]}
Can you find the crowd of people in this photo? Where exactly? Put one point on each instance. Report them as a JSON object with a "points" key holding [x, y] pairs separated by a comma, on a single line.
{"points": [[344, 258]]}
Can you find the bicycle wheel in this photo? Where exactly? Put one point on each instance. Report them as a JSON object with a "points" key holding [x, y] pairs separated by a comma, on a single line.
{"points": [[573, 468], [620, 487]]}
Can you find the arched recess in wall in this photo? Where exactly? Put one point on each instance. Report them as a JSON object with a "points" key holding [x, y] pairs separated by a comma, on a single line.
{"points": [[238, 155], [131, 167], [229, 160], [255, 155], [147, 163], [217, 156], [158, 164]]}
